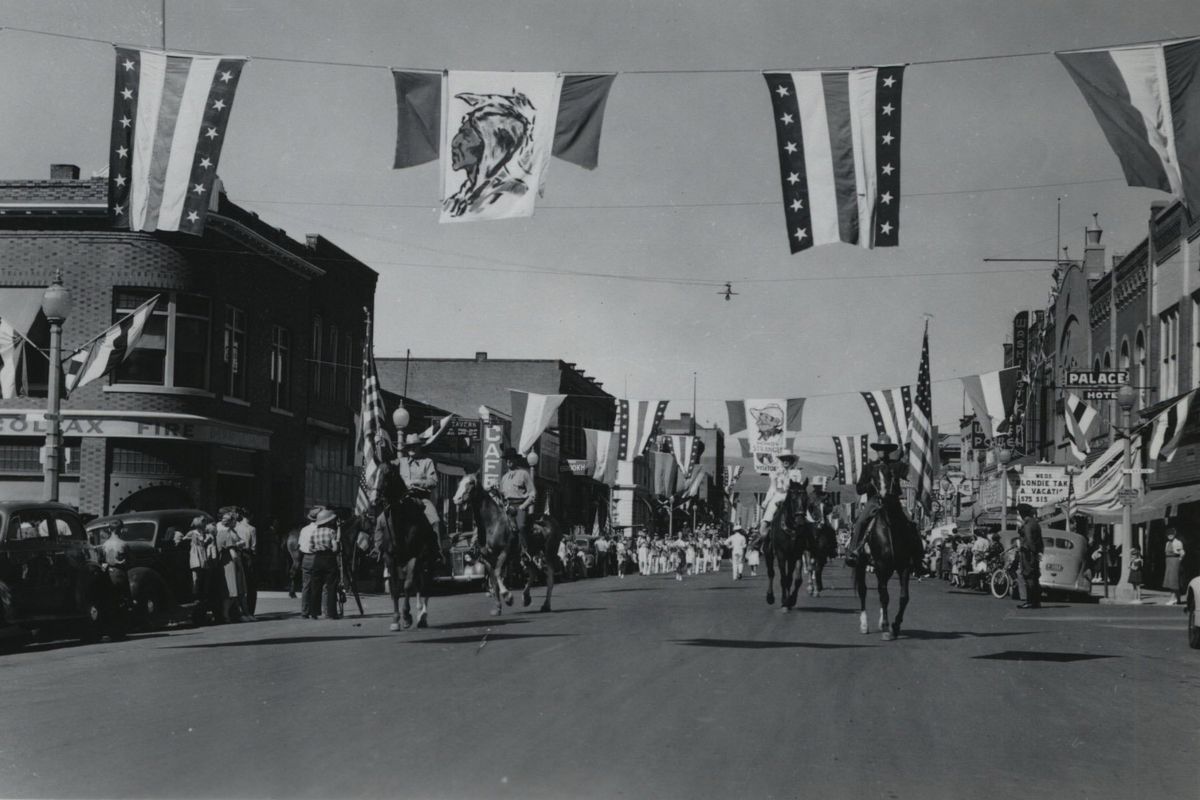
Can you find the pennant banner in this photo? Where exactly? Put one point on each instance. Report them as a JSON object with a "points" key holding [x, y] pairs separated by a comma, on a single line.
{"points": [[890, 410], [1169, 427], [170, 117], [102, 356], [601, 455], [732, 473], [993, 395], [839, 155], [1147, 101], [851, 451], [1079, 419], [664, 472], [18, 310], [531, 414]]}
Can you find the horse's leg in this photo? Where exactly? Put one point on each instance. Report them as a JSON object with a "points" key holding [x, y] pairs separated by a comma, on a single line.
{"points": [[818, 568], [410, 568], [422, 583], [548, 566], [860, 585], [530, 572], [502, 592], [787, 569], [810, 570], [394, 588], [770, 556], [904, 575], [883, 575]]}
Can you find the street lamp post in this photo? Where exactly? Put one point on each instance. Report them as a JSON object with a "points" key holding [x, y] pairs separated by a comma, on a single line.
{"points": [[1124, 591], [56, 305], [1002, 458]]}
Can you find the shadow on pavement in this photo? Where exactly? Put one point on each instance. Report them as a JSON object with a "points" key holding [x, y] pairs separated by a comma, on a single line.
{"points": [[631, 589], [1058, 658], [488, 637], [280, 640], [750, 644], [561, 610], [491, 623], [16, 646], [943, 635], [803, 609]]}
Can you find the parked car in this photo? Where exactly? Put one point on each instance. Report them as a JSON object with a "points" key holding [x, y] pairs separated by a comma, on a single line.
{"points": [[51, 579], [463, 566], [1064, 561], [160, 580], [1193, 626], [582, 550]]}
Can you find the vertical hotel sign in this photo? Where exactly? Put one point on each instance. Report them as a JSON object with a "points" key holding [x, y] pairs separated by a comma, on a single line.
{"points": [[1021, 340]]}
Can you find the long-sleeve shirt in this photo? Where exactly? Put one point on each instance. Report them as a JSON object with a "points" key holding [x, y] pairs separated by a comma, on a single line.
{"points": [[517, 484], [417, 473], [885, 473]]}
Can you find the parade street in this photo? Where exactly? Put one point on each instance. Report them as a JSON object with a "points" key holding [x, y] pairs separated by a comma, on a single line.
{"points": [[634, 687]]}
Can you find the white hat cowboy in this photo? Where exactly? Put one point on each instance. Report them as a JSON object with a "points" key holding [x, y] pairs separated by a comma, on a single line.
{"points": [[788, 455], [411, 442]]}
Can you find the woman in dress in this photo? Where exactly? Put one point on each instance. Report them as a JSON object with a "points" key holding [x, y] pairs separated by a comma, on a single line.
{"points": [[229, 546], [1174, 559], [752, 561], [198, 540]]}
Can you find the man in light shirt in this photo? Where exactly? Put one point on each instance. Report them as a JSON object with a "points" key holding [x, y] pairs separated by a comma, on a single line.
{"points": [[737, 549], [519, 493]]}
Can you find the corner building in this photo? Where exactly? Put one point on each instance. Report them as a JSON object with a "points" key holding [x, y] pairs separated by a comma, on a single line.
{"points": [[243, 387]]}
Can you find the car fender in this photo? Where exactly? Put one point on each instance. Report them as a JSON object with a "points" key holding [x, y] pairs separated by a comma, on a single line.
{"points": [[143, 580]]}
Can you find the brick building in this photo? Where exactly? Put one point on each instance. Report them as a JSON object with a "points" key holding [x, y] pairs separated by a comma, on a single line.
{"points": [[242, 389]]}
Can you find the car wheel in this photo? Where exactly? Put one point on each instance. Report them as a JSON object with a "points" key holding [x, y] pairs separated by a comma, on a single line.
{"points": [[1193, 628], [154, 610], [93, 620]]}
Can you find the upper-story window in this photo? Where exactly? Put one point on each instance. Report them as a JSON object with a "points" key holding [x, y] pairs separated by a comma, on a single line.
{"points": [[314, 359], [329, 359], [174, 348], [1141, 364], [1168, 332], [235, 353], [345, 369], [281, 368]]}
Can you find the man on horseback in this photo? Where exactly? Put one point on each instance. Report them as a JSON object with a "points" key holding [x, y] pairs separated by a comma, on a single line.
{"points": [[880, 482], [783, 476], [420, 476], [517, 488]]}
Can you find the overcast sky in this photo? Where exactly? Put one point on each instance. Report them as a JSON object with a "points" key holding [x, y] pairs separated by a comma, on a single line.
{"points": [[687, 187]]}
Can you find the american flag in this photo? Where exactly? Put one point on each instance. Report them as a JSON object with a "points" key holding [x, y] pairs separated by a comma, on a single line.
{"points": [[839, 155], [170, 116], [890, 410], [371, 432], [922, 447], [851, 453], [102, 355], [636, 422]]}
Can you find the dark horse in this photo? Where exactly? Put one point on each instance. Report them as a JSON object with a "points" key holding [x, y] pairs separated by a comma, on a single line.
{"points": [[823, 547], [409, 546], [502, 544], [891, 543], [788, 537]]}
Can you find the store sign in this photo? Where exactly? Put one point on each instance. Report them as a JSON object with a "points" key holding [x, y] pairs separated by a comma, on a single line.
{"points": [[198, 430], [1013, 440], [1042, 485], [492, 455], [1097, 384], [575, 466], [1021, 339]]}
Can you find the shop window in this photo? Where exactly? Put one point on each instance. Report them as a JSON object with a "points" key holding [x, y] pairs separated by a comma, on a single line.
{"points": [[235, 353], [281, 369], [173, 349]]}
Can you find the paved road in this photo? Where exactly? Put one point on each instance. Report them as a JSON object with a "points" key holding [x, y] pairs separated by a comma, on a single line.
{"points": [[642, 687]]}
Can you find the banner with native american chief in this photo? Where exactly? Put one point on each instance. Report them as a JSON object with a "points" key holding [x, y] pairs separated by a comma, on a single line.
{"points": [[765, 426], [497, 137]]}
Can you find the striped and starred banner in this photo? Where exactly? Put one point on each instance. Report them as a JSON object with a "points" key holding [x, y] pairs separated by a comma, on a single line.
{"points": [[839, 155], [890, 410], [1169, 427], [687, 451], [636, 423], [170, 115], [851, 450], [922, 444], [370, 432], [104, 353]]}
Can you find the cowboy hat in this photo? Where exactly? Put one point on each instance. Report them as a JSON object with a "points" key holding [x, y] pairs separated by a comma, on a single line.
{"points": [[884, 444], [510, 452], [788, 454], [314, 512], [411, 441], [325, 516]]}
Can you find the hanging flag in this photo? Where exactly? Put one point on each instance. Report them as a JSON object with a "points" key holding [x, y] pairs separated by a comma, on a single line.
{"points": [[531, 414], [1096, 489], [851, 451], [1147, 101], [636, 422], [993, 395], [922, 445], [579, 118], [102, 355], [436, 429], [764, 427], [1079, 419], [664, 473], [373, 441], [732, 473], [601, 455], [18, 310], [839, 155], [687, 450], [1168, 428], [696, 485], [890, 410], [170, 118]]}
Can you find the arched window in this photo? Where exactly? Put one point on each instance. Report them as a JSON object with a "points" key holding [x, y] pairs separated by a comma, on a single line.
{"points": [[1108, 359]]}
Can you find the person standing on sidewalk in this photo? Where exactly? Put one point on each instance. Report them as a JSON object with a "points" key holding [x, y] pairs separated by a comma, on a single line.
{"points": [[1031, 556], [320, 567], [1171, 572]]}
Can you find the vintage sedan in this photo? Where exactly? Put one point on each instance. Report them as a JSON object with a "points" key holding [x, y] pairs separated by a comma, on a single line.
{"points": [[159, 577], [51, 580], [1193, 625]]}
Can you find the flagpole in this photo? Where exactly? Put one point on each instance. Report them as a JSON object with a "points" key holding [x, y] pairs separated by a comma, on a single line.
{"points": [[119, 322]]}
